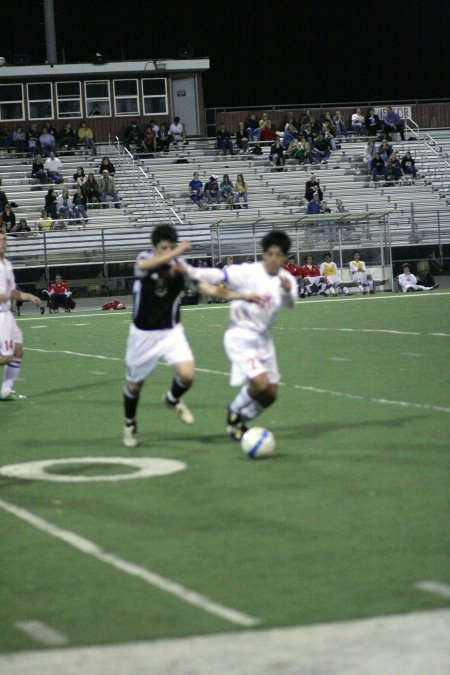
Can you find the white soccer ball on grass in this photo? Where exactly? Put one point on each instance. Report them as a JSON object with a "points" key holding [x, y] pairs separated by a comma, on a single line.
{"points": [[258, 442]]}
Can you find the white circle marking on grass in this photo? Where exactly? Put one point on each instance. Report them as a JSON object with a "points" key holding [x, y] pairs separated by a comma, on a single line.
{"points": [[146, 467]]}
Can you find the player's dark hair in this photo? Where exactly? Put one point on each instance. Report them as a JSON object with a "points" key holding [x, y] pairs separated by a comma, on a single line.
{"points": [[276, 238], [164, 233], [325, 254], [354, 252]]}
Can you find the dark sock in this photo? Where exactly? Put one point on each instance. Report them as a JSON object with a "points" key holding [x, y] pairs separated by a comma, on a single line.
{"points": [[177, 390], [131, 400]]}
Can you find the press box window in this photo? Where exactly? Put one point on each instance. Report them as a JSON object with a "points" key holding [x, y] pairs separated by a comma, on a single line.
{"points": [[97, 98], [126, 99], [40, 103], [68, 96], [154, 94], [11, 102]]}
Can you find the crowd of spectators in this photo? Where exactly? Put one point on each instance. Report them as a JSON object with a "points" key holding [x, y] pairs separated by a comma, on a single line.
{"points": [[154, 138], [213, 193], [46, 139]]}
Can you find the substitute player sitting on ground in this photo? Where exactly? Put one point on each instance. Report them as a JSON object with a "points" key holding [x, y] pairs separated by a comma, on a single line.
{"points": [[247, 341], [360, 275], [408, 281], [156, 332], [11, 340], [329, 270]]}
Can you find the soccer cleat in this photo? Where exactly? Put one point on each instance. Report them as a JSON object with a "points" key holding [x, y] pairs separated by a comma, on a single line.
{"points": [[130, 437], [182, 410], [235, 425], [12, 396], [433, 288]]}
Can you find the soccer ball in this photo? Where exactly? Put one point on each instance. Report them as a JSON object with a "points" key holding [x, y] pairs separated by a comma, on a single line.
{"points": [[258, 442]]}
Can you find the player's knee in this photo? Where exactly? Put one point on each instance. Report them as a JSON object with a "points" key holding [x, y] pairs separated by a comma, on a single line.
{"points": [[18, 351]]}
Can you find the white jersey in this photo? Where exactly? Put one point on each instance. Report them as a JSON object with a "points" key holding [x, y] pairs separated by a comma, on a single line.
{"points": [[176, 130], [407, 280], [7, 283]]}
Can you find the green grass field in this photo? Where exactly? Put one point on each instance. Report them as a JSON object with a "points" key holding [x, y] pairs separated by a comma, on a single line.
{"points": [[341, 523]]}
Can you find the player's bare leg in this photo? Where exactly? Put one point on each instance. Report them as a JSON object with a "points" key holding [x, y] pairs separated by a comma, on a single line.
{"points": [[181, 383]]}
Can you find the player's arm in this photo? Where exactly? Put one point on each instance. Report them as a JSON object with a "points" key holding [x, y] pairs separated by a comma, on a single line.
{"points": [[223, 293], [25, 297], [289, 292], [154, 261]]}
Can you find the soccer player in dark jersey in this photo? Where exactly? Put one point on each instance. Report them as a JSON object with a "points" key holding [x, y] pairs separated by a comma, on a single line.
{"points": [[156, 332]]}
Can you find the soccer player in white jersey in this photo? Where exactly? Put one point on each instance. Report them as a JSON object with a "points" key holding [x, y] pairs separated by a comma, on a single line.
{"points": [[247, 341], [361, 277], [156, 332], [408, 281], [11, 340], [329, 270]]}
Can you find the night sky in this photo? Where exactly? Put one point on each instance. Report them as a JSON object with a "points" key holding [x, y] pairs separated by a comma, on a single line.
{"points": [[261, 52]]}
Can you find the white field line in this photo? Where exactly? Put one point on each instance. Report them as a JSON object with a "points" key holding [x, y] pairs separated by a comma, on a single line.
{"points": [[435, 587], [166, 585], [40, 632], [316, 390]]}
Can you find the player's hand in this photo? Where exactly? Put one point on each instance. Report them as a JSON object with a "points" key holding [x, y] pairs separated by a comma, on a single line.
{"points": [[253, 297], [285, 283], [4, 297], [31, 298], [183, 247]]}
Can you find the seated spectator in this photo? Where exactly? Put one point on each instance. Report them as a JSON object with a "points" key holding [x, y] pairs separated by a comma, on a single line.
{"points": [[340, 207], [227, 190], [393, 166], [339, 124], [154, 126], [33, 139], [53, 167], [262, 123], [392, 123], [47, 142], [289, 135], [79, 203], [408, 165], [64, 204], [149, 140], [59, 224], [50, 203], [59, 295], [8, 220], [312, 278], [313, 206], [107, 188], [378, 167], [21, 229], [177, 131], [276, 154], [361, 277], [195, 189], [95, 110], [329, 136], [108, 165], [212, 190], [45, 222], [91, 191], [20, 141], [311, 187], [241, 190], [369, 151], [38, 172], [252, 127], [306, 118], [224, 141], [358, 123], [242, 138], [79, 177], [163, 138], [267, 132], [385, 149], [373, 123], [330, 272], [408, 281], [3, 198], [300, 151], [67, 137], [321, 151], [133, 137], [86, 137]]}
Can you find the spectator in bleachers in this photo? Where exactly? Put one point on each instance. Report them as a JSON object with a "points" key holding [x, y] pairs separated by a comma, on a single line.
{"points": [[306, 118], [79, 203], [311, 187], [339, 124], [133, 137], [67, 138], [33, 139], [227, 190], [163, 138], [373, 123], [91, 190], [358, 123], [177, 131], [242, 138], [393, 123], [268, 132], [3, 198], [64, 204], [86, 137], [53, 166], [385, 149], [5, 136], [289, 135], [154, 126], [79, 177], [311, 277], [408, 165], [313, 206], [329, 271], [393, 166], [50, 203], [149, 140], [224, 141], [212, 190], [21, 229], [408, 281], [8, 219], [252, 127], [378, 167], [95, 110], [196, 189], [38, 172], [47, 142], [340, 207], [60, 223], [361, 277], [20, 140], [276, 154], [241, 190], [262, 123], [298, 150], [107, 188], [321, 152], [369, 151], [108, 165], [45, 222]]}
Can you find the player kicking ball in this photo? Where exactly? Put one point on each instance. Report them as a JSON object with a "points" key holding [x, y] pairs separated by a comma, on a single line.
{"points": [[156, 333], [247, 341], [11, 340]]}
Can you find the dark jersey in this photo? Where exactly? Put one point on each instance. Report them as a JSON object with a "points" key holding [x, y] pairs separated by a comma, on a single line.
{"points": [[157, 296]]}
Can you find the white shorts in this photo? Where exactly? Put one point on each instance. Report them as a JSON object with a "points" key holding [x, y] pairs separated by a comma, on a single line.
{"points": [[10, 334], [360, 278], [313, 281], [145, 348], [334, 279], [251, 354]]}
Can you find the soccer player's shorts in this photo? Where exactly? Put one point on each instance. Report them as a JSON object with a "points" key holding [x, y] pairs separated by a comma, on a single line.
{"points": [[251, 354], [360, 277], [314, 281], [145, 348], [10, 333], [334, 279]]}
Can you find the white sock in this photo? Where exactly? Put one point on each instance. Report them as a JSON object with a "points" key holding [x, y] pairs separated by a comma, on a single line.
{"points": [[345, 290], [252, 410], [12, 370], [241, 400]]}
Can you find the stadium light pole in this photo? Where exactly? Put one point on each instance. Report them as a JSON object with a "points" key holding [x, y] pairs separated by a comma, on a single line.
{"points": [[50, 32]]}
